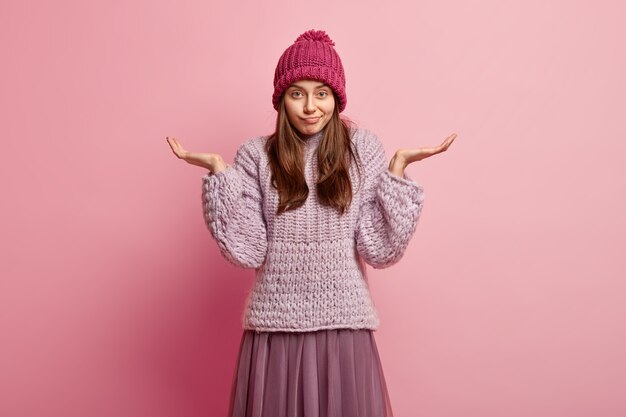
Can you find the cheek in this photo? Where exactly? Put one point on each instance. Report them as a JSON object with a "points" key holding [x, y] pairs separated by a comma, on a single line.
{"points": [[289, 109], [329, 108]]}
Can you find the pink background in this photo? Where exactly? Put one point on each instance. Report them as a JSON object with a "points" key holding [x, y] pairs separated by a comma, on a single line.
{"points": [[510, 300]]}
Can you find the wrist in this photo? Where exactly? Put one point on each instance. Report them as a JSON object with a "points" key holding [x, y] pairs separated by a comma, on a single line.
{"points": [[218, 166], [397, 171], [397, 165]]}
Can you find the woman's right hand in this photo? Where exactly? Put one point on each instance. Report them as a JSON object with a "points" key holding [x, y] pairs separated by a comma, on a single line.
{"points": [[211, 161]]}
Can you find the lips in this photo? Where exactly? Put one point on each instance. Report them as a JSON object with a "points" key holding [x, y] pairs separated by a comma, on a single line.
{"points": [[311, 120]]}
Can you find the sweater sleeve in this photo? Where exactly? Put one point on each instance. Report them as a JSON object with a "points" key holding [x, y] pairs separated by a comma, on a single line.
{"points": [[390, 208], [233, 213]]}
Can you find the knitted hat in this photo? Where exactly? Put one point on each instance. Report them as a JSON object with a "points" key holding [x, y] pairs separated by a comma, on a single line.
{"points": [[311, 56]]}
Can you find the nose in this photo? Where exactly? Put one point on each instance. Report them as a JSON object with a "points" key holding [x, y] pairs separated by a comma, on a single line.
{"points": [[309, 105]]}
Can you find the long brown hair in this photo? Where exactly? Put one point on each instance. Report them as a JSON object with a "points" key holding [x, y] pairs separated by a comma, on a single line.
{"points": [[285, 150]]}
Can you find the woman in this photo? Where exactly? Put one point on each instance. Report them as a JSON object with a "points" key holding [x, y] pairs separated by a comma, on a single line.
{"points": [[307, 207]]}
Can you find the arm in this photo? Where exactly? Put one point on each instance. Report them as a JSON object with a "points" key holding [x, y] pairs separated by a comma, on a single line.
{"points": [[233, 209], [390, 208]]}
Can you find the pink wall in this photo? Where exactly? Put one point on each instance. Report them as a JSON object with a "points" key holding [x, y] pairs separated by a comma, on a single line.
{"points": [[114, 299]]}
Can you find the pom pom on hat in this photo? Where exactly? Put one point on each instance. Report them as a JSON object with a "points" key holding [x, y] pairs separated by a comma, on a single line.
{"points": [[315, 35], [311, 56]]}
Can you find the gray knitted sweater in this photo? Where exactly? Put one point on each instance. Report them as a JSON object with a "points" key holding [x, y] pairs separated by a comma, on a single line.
{"points": [[309, 262]]}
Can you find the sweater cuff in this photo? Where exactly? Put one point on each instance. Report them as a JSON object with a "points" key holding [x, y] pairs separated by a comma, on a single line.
{"points": [[402, 193], [221, 192]]}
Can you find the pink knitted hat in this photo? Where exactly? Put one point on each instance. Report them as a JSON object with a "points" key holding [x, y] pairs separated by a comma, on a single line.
{"points": [[311, 56]]}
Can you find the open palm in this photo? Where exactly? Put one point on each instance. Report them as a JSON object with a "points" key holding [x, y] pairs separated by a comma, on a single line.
{"points": [[405, 156], [211, 161]]}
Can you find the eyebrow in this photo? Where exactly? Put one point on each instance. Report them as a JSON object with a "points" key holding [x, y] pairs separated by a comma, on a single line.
{"points": [[299, 86]]}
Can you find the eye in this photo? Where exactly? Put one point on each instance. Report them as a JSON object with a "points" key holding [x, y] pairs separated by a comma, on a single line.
{"points": [[324, 93], [294, 92]]}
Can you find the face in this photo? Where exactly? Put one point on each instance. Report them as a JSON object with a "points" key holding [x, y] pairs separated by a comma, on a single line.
{"points": [[309, 105]]}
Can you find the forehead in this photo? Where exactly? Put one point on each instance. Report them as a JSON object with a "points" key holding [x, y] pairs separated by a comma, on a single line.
{"points": [[307, 84]]}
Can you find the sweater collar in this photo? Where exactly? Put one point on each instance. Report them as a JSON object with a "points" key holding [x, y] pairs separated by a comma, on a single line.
{"points": [[314, 137]]}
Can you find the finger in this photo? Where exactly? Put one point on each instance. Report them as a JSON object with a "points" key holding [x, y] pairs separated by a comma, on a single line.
{"points": [[177, 144], [172, 141], [174, 145], [446, 143], [450, 139], [176, 148]]}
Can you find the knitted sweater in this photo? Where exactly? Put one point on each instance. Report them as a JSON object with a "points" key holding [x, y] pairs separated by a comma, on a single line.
{"points": [[309, 262]]}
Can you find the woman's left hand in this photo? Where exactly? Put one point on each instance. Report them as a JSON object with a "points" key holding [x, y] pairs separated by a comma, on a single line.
{"points": [[403, 157]]}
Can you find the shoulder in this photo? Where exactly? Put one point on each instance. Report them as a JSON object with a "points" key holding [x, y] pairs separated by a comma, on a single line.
{"points": [[253, 144], [250, 154], [252, 148]]}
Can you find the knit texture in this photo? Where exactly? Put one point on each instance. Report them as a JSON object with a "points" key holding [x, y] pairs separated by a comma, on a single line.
{"points": [[313, 57], [310, 262]]}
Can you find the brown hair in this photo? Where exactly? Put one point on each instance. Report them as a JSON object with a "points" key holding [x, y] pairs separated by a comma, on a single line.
{"points": [[285, 151]]}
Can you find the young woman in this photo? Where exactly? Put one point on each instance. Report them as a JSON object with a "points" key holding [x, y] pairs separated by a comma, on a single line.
{"points": [[307, 207]]}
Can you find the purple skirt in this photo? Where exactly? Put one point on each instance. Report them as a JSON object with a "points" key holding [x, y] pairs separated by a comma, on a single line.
{"points": [[325, 373]]}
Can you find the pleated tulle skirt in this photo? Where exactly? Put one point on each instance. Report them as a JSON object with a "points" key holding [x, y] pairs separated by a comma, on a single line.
{"points": [[325, 373]]}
